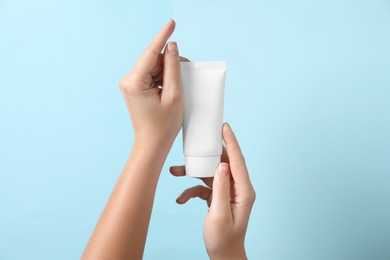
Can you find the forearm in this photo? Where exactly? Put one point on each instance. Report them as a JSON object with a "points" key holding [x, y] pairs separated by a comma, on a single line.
{"points": [[122, 227], [234, 256], [233, 252]]}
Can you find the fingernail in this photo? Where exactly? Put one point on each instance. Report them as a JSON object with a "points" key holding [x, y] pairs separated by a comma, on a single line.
{"points": [[172, 48], [223, 169], [224, 126]]}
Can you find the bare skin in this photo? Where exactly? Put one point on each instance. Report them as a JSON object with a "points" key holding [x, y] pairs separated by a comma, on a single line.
{"points": [[157, 115], [230, 196]]}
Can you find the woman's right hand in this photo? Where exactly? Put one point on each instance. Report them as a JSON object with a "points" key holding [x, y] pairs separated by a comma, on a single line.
{"points": [[230, 196]]}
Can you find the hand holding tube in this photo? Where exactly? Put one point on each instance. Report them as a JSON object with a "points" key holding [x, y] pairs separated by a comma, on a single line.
{"points": [[230, 196], [156, 113]]}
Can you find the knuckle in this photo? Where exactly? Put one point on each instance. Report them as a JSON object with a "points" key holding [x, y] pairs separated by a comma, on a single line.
{"points": [[198, 187], [250, 196], [152, 51], [176, 95], [192, 189], [187, 190], [253, 196], [175, 65], [126, 84], [219, 219], [237, 159], [243, 160], [223, 185]]}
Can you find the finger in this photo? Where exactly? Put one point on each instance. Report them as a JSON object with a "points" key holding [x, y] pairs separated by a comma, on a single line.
{"points": [[199, 191], [220, 203], [184, 59], [157, 71], [180, 171], [208, 181], [172, 77], [150, 55], [158, 66], [224, 156], [236, 159], [177, 171]]}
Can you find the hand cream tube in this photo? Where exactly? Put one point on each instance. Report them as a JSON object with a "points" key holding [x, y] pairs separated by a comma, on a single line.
{"points": [[203, 84]]}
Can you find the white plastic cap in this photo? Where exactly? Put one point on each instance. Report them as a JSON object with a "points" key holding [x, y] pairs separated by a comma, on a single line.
{"points": [[202, 166]]}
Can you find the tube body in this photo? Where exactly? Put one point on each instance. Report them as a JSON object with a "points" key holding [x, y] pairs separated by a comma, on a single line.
{"points": [[203, 84]]}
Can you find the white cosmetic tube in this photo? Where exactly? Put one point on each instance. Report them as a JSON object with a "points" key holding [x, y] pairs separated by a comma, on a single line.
{"points": [[203, 84]]}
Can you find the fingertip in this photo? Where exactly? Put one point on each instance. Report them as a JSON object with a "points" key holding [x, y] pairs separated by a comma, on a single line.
{"points": [[170, 27], [183, 59], [177, 171], [181, 200], [171, 23], [228, 136], [174, 23], [226, 127], [150, 55]]}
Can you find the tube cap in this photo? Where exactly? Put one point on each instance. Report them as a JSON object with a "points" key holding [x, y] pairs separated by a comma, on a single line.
{"points": [[202, 166]]}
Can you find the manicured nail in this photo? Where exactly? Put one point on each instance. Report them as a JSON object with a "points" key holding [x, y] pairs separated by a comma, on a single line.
{"points": [[223, 169], [225, 125], [172, 48]]}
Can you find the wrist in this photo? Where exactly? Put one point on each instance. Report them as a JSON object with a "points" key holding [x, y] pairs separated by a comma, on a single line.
{"points": [[230, 257], [147, 140], [151, 150], [237, 254], [238, 257], [152, 145]]}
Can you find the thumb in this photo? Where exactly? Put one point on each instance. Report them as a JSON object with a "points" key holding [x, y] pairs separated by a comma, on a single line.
{"points": [[171, 76], [220, 202]]}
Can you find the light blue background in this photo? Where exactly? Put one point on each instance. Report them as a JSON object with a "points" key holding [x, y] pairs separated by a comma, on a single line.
{"points": [[308, 94]]}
